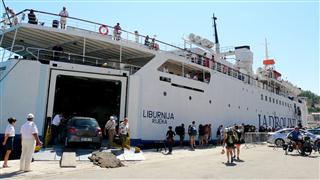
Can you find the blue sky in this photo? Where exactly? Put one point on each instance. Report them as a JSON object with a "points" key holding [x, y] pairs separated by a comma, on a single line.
{"points": [[291, 27]]}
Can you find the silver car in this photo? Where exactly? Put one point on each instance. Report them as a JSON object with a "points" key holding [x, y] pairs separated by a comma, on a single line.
{"points": [[280, 137]]}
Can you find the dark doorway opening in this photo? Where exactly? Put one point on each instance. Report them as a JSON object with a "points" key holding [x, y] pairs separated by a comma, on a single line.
{"points": [[88, 97]]}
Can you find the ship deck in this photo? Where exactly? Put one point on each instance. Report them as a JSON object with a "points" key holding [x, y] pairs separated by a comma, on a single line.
{"points": [[27, 39]]}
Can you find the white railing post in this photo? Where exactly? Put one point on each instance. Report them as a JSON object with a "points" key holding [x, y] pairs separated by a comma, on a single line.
{"points": [[84, 50], [13, 41]]}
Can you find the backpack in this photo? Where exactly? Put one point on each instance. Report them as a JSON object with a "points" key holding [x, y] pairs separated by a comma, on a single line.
{"points": [[178, 130], [218, 132], [193, 130], [231, 137]]}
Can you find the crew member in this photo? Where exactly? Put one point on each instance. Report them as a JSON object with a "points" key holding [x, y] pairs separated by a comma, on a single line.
{"points": [[55, 127], [29, 139]]}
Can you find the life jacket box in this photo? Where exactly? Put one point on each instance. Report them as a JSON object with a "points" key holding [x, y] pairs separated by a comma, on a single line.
{"points": [[55, 23]]}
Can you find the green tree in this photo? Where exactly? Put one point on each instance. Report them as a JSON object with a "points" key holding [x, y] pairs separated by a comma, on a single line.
{"points": [[313, 101]]}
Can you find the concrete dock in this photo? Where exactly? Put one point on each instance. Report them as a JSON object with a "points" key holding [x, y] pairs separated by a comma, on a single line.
{"points": [[258, 162]]}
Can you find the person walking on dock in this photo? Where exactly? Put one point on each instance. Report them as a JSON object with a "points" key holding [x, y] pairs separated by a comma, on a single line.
{"points": [[192, 131], [180, 130], [170, 139], [124, 132], [110, 127]]}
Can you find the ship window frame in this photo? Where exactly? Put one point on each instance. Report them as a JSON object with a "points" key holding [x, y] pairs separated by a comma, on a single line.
{"points": [[273, 100], [181, 69], [266, 98], [262, 97]]}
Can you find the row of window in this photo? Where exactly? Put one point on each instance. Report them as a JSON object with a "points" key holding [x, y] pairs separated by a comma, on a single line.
{"points": [[276, 101]]}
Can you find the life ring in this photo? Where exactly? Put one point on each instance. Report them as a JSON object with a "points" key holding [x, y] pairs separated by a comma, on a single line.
{"points": [[103, 29]]}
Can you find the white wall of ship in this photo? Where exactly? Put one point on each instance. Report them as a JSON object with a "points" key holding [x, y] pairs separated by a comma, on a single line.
{"points": [[232, 102]]}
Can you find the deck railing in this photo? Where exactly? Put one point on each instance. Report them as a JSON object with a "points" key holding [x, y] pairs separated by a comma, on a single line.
{"points": [[51, 55], [46, 19]]}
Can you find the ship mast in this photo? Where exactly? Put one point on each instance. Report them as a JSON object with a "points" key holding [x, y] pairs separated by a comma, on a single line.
{"points": [[268, 63], [266, 48], [215, 34]]}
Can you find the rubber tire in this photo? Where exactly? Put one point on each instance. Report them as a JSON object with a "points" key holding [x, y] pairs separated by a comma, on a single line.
{"points": [[279, 142], [98, 146], [317, 146]]}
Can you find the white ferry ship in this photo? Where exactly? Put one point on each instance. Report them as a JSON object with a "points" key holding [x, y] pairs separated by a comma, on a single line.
{"points": [[85, 69]]}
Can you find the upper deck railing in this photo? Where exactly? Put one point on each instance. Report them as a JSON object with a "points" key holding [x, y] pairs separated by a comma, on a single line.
{"points": [[46, 19]]}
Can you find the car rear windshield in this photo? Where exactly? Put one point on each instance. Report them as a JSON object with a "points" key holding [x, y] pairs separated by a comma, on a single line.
{"points": [[85, 122]]}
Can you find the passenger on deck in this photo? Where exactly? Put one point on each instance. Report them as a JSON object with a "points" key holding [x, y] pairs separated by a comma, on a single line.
{"points": [[195, 77], [187, 75], [165, 69], [32, 19], [206, 60], [136, 34], [206, 80], [13, 17], [57, 49], [153, 40], [146, 41], [63, 20], [117, 32], [153, 44]]}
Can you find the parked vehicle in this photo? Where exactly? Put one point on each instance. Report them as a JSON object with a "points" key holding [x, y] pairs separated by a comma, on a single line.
{"points": [[83, 130], [314, 131], [279, 138], [304, 148]]}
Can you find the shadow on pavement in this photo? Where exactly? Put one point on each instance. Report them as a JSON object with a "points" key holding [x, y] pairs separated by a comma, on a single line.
{"points": [[229, 164], [8, 175], [310, 156], [240, 160]]}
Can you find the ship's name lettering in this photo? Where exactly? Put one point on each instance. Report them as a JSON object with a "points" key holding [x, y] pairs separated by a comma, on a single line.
{"points": [[158, 117], [276, 121]]}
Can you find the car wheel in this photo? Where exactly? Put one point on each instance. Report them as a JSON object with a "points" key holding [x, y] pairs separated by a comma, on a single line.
{"points": [[98, 146], [279, 142], [317, 145]]}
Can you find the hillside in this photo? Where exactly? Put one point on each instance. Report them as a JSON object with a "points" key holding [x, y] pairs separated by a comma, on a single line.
{"points": [[313, 101]]}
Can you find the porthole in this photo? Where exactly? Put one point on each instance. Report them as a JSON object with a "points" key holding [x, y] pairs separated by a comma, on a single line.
{"points": [[190, 98], [229, 105], [164, 93], [247, 109], [239, 107], [210, 101]]}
